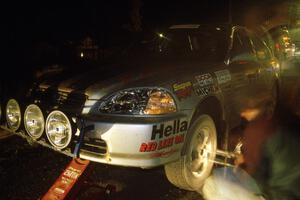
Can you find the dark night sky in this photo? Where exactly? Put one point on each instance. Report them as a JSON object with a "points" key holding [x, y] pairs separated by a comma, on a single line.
{"points": [[50, 19], [53, 20], [56, 22]]}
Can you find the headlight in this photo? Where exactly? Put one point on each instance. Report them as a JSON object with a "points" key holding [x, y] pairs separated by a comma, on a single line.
{"points": [[13, 114], [139, 101], [160, 102], [34, 121], [58, 129]]}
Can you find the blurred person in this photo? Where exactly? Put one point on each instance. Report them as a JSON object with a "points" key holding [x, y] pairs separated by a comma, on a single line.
{"points": [[269, 167]]}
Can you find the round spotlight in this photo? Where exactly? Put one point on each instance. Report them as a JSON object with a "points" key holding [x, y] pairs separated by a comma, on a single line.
{"points": [[58, 129], [13, 114], [34, 121]]}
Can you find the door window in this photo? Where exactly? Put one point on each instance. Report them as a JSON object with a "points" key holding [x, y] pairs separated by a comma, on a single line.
{"points": [[241, 47], [262, 51]]}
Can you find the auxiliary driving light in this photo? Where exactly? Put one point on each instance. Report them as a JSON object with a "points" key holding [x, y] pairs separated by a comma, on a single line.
{"points": [[13, 114], [58, 129], [34, 121]]}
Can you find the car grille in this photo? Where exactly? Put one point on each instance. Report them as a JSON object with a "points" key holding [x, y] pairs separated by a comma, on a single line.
{"points": [[70, 101], [94, 146]]}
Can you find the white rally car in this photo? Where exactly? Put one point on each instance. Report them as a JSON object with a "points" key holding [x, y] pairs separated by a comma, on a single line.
{"points": [[172, 105]]}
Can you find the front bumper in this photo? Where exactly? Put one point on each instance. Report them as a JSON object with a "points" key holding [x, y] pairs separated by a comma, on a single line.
{"points": [[140, 143], [136, 144]]}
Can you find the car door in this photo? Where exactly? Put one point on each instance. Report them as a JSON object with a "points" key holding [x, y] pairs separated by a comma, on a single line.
{"points": [[244, 70]]}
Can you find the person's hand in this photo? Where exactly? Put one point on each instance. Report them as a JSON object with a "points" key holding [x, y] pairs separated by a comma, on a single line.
{"points": [[239, 160]]}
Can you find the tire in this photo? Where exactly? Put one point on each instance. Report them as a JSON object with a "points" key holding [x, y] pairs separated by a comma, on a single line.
{"points": [[191, 170]]}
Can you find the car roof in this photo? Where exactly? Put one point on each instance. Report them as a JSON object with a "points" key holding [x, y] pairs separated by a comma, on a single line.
{"points": [[185, 26], [200, 26]]}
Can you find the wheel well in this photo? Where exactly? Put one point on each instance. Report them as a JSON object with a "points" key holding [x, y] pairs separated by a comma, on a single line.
{"points": [[213, 108]]}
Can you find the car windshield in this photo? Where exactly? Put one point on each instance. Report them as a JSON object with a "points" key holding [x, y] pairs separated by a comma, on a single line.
{"points": [[207, 44]]}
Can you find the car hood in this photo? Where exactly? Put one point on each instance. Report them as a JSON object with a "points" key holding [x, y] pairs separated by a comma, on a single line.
{"points": [[99, 81]]}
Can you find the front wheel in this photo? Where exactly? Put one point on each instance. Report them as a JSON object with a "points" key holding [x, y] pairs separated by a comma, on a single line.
{"points": [[191, 170]]}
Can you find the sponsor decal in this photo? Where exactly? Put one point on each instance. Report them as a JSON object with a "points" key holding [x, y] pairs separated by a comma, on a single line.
{"points": [[165, 135], [183, 90], [204, 85], [204, 80], [164, 153], [161, 144], [223, 76], [166, 130], [206, 90]]}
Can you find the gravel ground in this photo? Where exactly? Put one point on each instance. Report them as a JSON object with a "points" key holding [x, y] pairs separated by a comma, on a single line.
{"points": [[27, 172]]}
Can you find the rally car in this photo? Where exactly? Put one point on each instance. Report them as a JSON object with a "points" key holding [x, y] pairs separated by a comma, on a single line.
{"points": [[172, 104]]}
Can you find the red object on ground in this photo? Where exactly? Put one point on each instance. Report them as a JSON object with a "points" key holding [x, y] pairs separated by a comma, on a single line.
{"points": [[65, 186]]}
